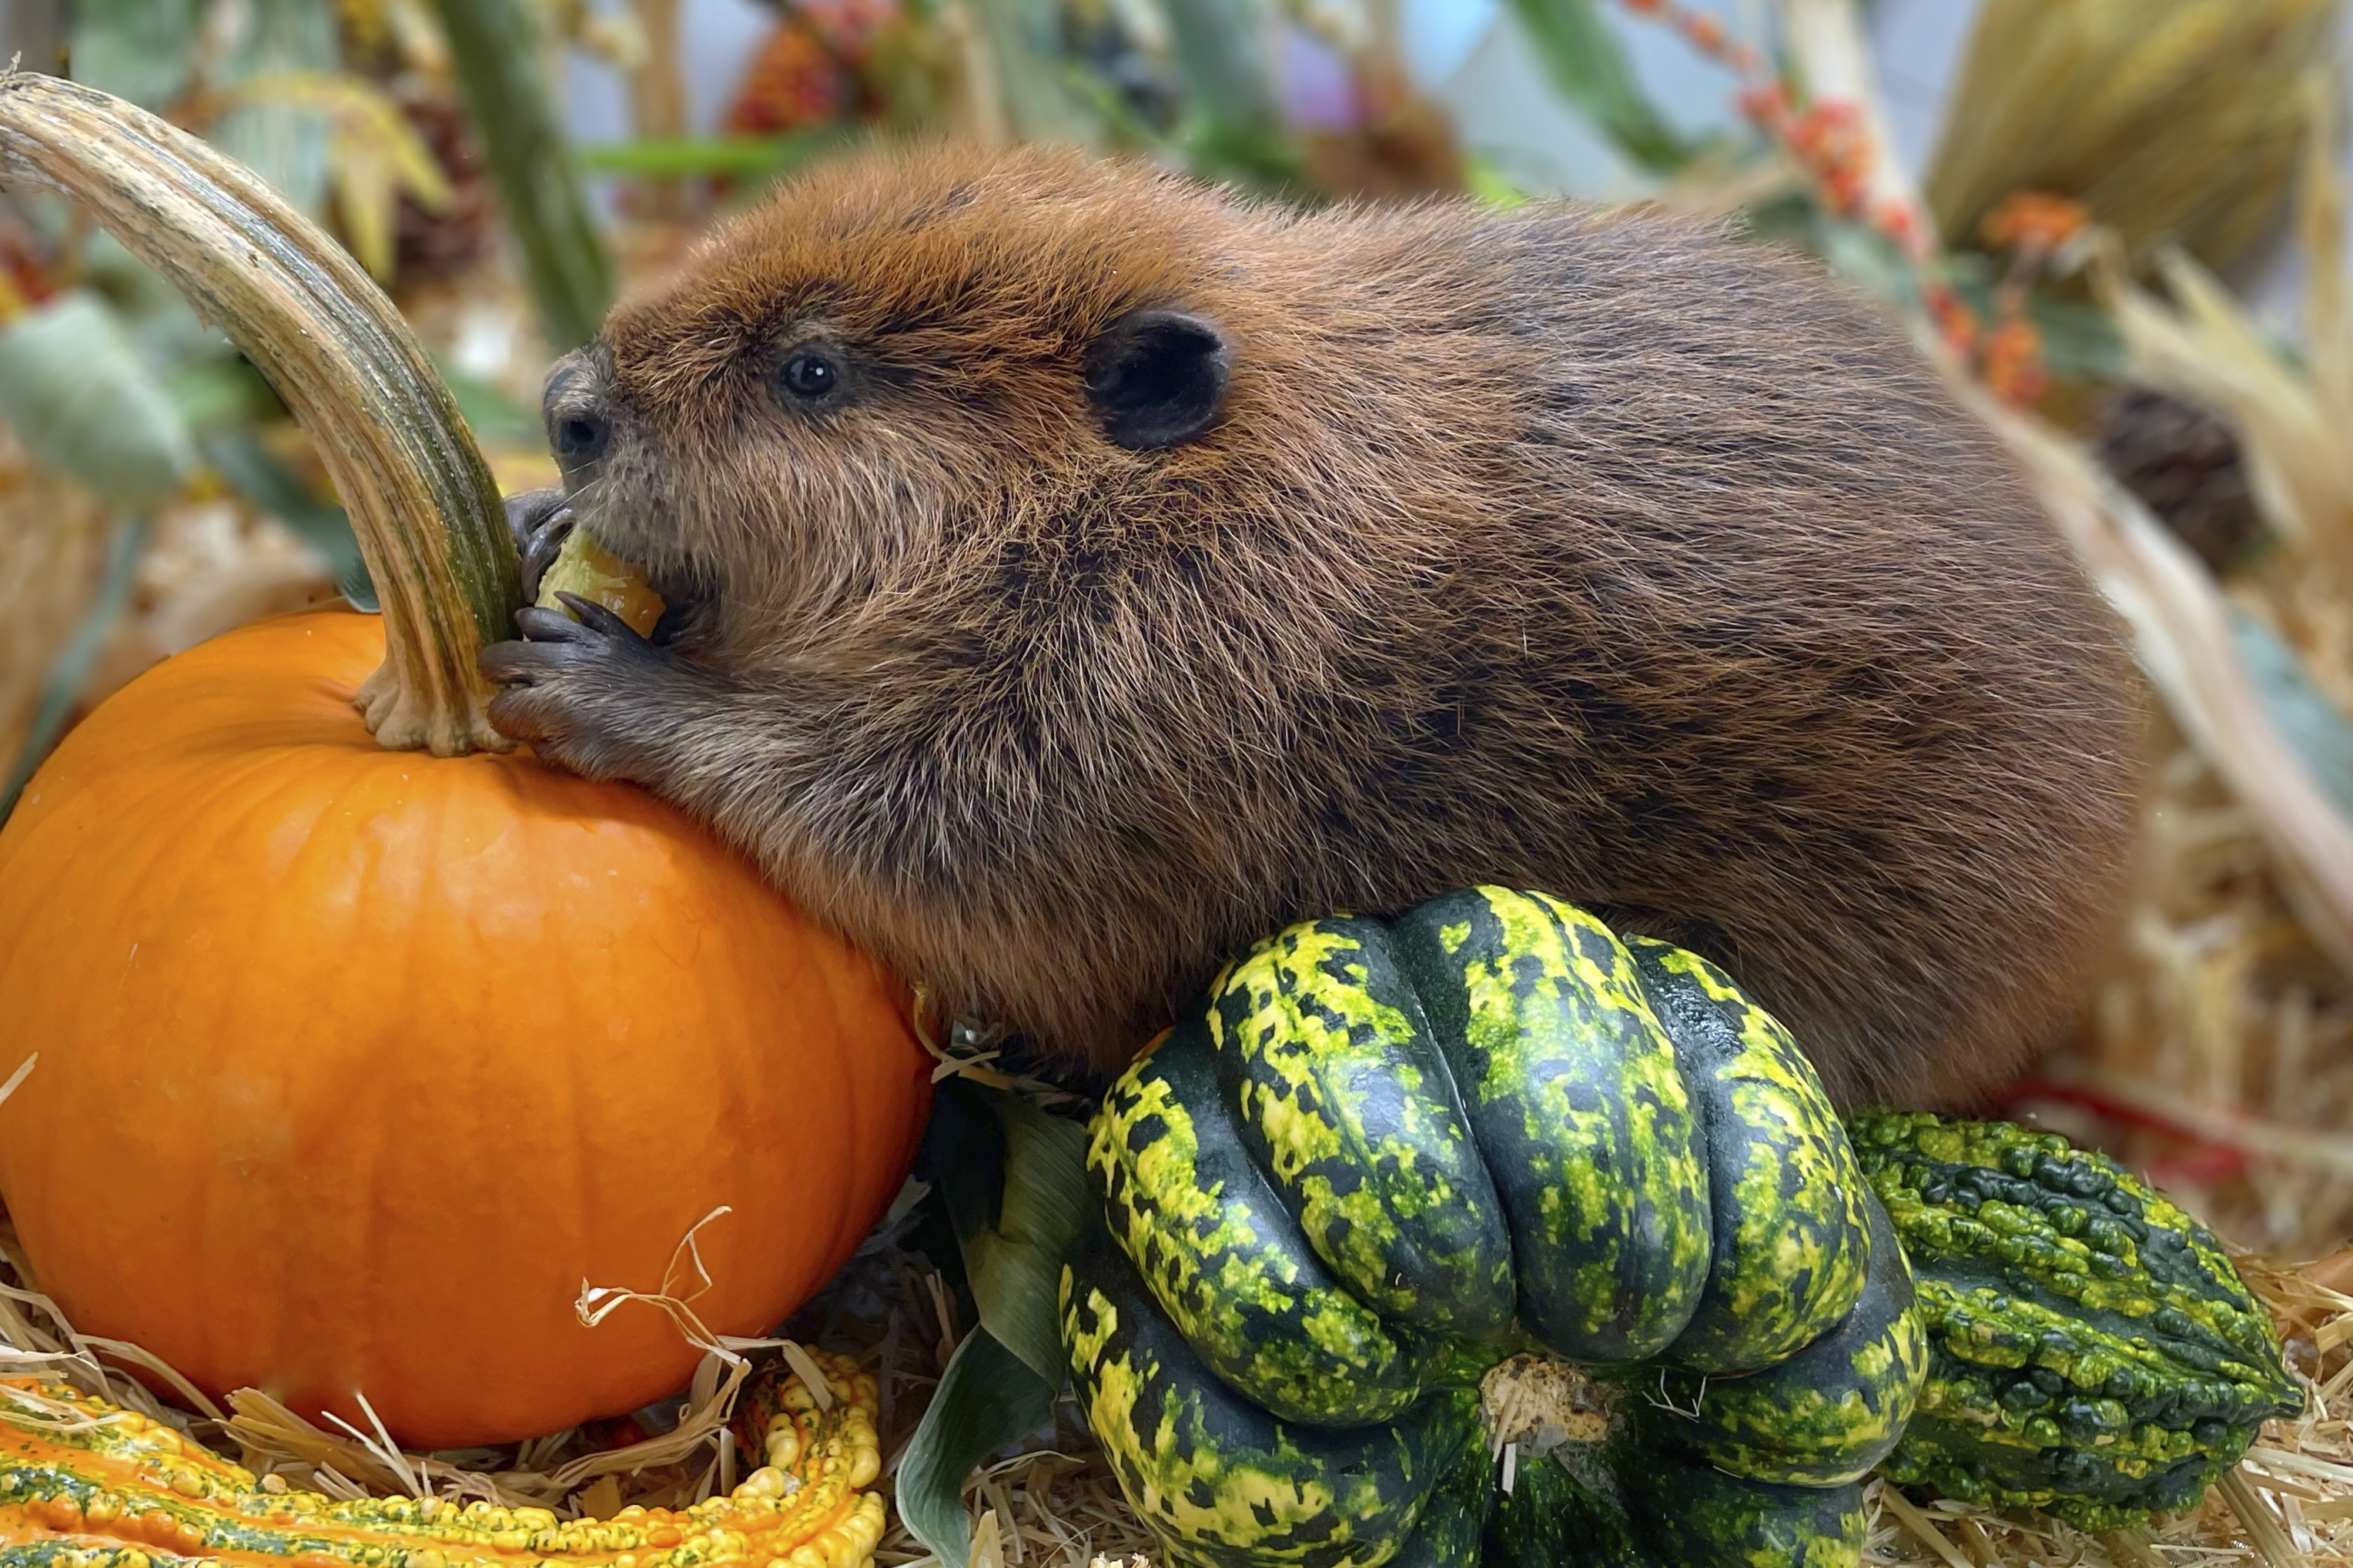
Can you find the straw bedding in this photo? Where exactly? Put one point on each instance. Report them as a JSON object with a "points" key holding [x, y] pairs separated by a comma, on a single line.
{"points": [[1052, 1503]]}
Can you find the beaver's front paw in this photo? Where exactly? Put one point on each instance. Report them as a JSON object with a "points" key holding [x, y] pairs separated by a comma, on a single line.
{"points": [[589, 693], [539, 521]]}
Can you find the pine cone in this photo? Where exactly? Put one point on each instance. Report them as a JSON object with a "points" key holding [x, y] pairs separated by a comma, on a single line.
{"points": [[447, 243], [792, 83], [2185, 466]]}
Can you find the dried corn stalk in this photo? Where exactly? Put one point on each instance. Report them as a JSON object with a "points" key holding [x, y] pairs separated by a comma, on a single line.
{"points": [[2176, 612], [2170, 118], [2291, 413], [52, 547]]}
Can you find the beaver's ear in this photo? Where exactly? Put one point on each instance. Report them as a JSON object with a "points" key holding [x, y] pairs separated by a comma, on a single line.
{"points": [[1157, 378]]}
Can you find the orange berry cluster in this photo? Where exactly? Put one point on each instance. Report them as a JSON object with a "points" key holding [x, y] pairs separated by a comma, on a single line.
{"points": [[2033, 227], [808, 71], [2035, 221]]}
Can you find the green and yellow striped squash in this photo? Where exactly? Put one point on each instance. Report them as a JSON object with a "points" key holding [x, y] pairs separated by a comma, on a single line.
{"points": [[2093, 1351], [1377, 1160]]}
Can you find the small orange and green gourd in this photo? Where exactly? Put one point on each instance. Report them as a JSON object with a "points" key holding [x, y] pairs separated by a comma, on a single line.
{"points": [[85, 1484]]}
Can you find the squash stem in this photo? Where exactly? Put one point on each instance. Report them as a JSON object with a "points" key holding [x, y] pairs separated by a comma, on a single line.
{"points": [[421, 498]]}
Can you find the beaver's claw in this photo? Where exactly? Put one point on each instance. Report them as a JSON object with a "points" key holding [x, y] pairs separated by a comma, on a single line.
{"points": [[590, 693]]}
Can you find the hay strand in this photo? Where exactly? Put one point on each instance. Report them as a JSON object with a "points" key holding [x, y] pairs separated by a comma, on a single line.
{"points": [[2272, 1547]]}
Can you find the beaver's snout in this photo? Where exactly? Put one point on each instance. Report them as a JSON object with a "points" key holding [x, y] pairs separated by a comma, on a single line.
{"points": [[578, 410]]}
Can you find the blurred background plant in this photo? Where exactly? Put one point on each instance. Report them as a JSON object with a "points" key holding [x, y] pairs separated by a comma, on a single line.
{"points": [[2119, 224]]}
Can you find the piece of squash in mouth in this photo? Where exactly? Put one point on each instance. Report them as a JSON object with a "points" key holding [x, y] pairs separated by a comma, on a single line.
{"points": [[586, 568]]}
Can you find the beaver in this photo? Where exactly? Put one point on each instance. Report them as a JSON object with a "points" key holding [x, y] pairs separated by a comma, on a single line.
{"points": [[1080, 573]]}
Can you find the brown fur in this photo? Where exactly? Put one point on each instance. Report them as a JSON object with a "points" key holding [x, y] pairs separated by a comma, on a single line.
{"points": [[1591, 554]]}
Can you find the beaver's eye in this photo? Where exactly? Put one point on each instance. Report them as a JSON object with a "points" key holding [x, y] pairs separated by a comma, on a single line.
{"points": [[809, 375]]}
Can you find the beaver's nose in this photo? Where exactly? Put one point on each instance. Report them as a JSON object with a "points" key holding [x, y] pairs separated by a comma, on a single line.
{"points": [[578, 412], [580, 437]]}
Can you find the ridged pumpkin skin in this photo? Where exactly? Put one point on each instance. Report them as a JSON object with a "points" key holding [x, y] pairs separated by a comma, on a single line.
{"points": [[1580, 1110], [1377, 1159], [355, 1064], [1224, 1481], [2093, 1349], [1628, 1508]]}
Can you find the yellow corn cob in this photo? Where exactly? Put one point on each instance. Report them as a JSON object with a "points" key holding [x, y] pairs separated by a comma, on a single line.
{"points": [[86, 1485]]}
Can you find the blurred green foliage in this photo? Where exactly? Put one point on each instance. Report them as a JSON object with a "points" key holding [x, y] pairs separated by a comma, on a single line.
{"points": [[494, 50], [1581, 58]]}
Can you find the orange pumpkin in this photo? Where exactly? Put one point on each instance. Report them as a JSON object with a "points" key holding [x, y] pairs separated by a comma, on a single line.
{"points": [[356, 1065]]}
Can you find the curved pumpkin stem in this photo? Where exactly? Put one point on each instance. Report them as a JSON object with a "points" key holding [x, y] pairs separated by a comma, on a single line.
{"points": [[420, 497]]}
